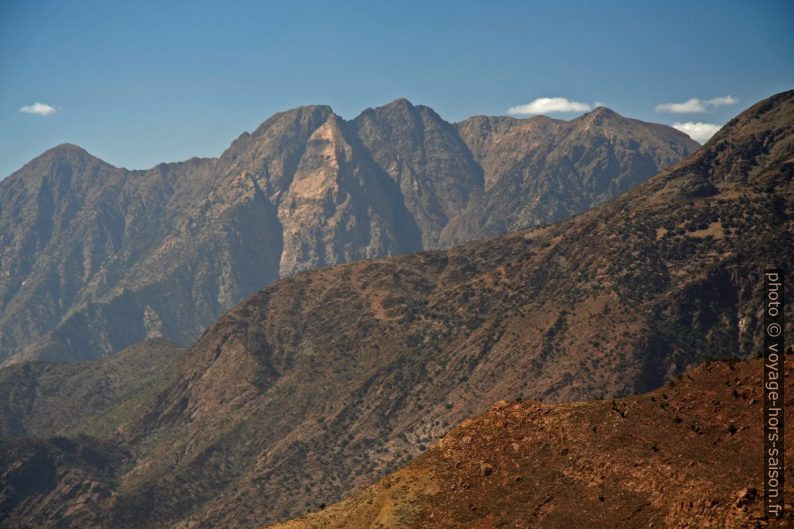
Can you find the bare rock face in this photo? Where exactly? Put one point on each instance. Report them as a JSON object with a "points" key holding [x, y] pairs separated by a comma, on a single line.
{"points": [[94, 258], [340, 206]]}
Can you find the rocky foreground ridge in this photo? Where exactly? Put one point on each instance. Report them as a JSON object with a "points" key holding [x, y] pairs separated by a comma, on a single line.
{"points": [[686, 455]]}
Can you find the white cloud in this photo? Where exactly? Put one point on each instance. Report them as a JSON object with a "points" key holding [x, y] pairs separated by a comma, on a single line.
{"points": [[695, 105], [699, 132], [549, 105], [40, 109], [722, 101], [691, 105]]}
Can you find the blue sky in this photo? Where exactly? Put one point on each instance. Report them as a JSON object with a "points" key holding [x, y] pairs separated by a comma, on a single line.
{"points": [[137, 83]]}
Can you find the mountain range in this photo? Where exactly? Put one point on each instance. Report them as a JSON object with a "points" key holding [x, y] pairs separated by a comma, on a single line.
{"points": [[95, 258], [331, 378]]}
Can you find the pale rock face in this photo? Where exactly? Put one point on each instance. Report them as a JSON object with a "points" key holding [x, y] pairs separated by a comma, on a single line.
{"points": [[309, 206], [336, 208]]}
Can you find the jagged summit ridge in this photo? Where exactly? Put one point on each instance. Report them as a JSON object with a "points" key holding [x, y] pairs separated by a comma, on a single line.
{"points": [[87, 246]]}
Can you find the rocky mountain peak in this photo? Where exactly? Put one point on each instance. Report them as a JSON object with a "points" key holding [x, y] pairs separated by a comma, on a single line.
{"points": [[401, 104], [601, 117], [68, 149], [303, 117], [602, 111], [68, 153], [399, 115]]}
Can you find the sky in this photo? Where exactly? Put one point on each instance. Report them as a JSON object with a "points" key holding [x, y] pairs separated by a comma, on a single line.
{"points": [[141, 82]]}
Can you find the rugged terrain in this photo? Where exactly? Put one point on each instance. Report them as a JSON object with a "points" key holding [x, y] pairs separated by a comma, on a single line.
{"points": [[94, 258], [686, 455], [329, 379]]}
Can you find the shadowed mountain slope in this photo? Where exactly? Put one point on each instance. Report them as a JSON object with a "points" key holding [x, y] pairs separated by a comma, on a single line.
{"points": [[94, 258], [329, 379]]}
